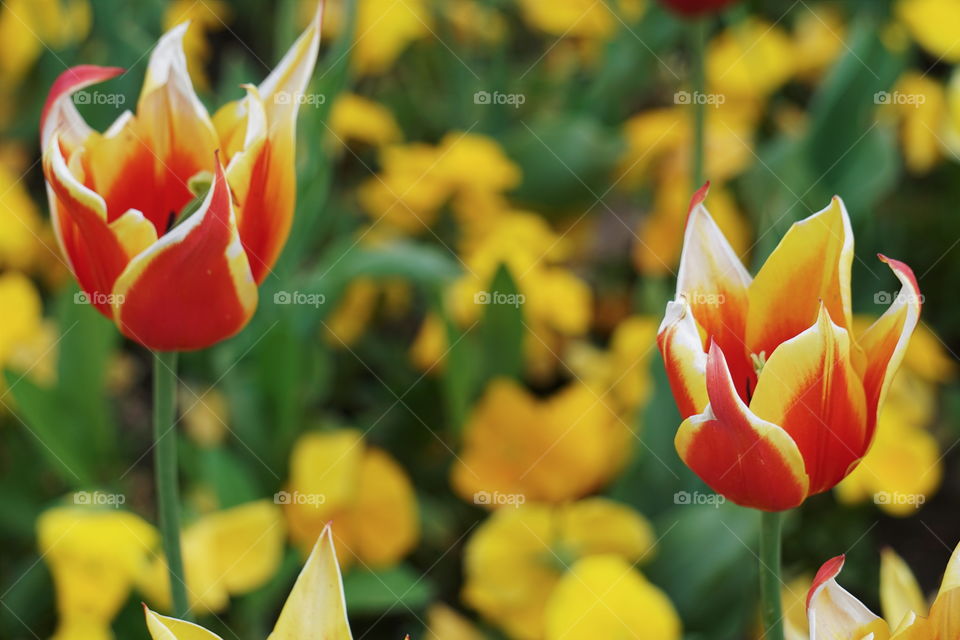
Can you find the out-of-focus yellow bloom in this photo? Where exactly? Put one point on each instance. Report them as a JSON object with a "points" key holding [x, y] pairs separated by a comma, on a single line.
{"points": [[225, 553], [751, 59], [515, 560], [348, 322], [818, 40], [474, 22], [205, 415], [315, 607], [94, 555], [430, 345], [20, 226], [470, 161], [603, 596], [793, 595], [354, 118], [27, 342], [27, 26], [204, 17], [932, 23], [336, 477], [443, 623], [551, 450], [384, 29], [579, 18], [918, 105]]}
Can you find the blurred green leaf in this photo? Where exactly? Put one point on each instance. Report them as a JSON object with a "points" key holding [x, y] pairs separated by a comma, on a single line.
{"points": [[502, 329], [398, 588]]}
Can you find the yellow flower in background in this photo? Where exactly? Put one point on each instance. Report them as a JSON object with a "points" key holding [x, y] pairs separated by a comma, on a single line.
{"points": [[27, 341], [354, 312], [443, 623], [335, 477], [94, 555], [384, 29], [315, 608], [354, 118], [818, 40], [604, 596], [546, 450], [918, 106], [932, 23], [516, 559], [793, 596], [474, 22], [225, 553], [751, 59], [205, 415], [474, 162], [28, 26], [579, 18], [204, 17], [21, 228]]}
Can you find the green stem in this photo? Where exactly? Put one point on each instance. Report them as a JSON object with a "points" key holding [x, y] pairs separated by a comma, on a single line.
{"points": [[699, 36], [770, 576], [165, 471]]}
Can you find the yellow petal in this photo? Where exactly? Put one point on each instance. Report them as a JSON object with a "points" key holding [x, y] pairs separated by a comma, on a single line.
{"points": [[600, 526], [164, 628], [900, 594]]}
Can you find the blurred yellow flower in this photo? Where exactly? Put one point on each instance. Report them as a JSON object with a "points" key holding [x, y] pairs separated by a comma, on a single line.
{"points": [[352, 315], [818, 40], [28, 26], [430, 345], [384, 29], [471, 161], [205, 414], [546, 450], [515, 560], [793, 596], [918, 105], [443, 623], [204, 17], [335, 477], [406, 193], [604, 596], [751, 59], [20, 226], [27, 342], [475, 22], [94, 556], [354, 118], [932, 23], [579, 18], [225, 553]]}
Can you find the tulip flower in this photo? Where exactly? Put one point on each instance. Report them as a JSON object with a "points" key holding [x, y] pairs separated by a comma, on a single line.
{"points": [[172, 279], [779, 398], [315, 608]]}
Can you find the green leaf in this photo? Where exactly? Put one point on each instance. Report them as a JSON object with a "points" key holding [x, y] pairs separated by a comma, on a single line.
{"points": [[398, 588], [502, 328]]}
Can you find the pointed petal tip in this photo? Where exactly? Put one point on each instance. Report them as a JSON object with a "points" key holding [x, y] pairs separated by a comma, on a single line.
{"points": [[698, 197], [71, 80], [828, 571]]}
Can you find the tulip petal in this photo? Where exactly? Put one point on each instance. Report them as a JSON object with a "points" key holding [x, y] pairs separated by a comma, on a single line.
{"points": [[811, 264], [60, 115], [97, 251], [714, 282], [833, 613], [751, 461], [944, 621], [885, 342], [684, 358], [193, 287], [900, 595], [316, 607], [166, 628], [810, 388]]}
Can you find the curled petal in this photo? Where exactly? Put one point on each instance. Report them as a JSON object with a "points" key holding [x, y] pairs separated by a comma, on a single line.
{"points": [[834, 613], [751, 461], [885, 342], [316, 607], [810, 388], [684, 358], [811, 264], [60, 115], [166, 628], [714, 283], [191, 288]]}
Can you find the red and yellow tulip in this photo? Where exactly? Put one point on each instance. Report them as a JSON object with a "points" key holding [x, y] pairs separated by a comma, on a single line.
{"points": [[779, 397], [115, 197]]}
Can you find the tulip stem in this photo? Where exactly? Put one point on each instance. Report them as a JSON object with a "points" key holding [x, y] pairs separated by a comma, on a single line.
{"points": [[165, 473], [698, 100], [771, 610]]}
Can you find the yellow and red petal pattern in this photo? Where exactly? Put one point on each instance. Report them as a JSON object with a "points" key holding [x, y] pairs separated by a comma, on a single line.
{"points": [[97, 251], [714, 282], [811, 264], [833, 613], [752, 462], [885, 341], [60, 115], [684, 358], [193, 287], [944, 621], [809, 387]]}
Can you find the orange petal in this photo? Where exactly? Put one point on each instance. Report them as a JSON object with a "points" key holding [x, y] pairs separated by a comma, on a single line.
{"points": [[811, 264], [810, 388], [751, 461], [60, 115], [193, 287], [714, 282], [885, 342], [97, 251], [684, 358], [834, 613]]}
